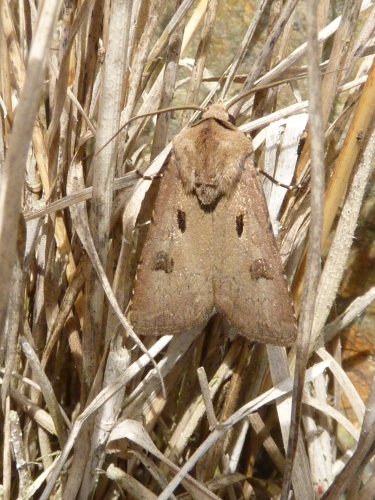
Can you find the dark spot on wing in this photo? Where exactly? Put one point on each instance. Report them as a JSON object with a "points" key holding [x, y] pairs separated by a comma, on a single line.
{"points": [[163, 262], [261, 268], [239, 225], [181, 220]]}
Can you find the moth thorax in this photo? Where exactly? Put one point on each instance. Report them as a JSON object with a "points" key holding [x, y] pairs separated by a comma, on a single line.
{"points": [[207, 194]]}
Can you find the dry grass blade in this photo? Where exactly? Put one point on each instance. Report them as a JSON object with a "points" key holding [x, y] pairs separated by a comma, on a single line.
{"points": [[274, 393], [133, 431], [314, 245], [13, 173], [104, 168], [243, 47], [364, 451], [201, 56], [80, 397], [18, 447], [302, 484], [173, 24], [129, 484], [47, 391], [356, 308], [339, 251], [40, 416], [350, 150], [118, 362], [267, 48]]}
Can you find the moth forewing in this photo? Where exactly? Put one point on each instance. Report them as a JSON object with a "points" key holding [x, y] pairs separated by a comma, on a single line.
{"points": [[210, 247], [172, 293], [250, 287]]}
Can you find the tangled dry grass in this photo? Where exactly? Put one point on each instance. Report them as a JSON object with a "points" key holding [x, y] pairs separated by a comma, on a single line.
{"points": [[86, 413]]}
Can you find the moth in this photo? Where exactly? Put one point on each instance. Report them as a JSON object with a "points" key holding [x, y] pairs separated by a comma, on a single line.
{"points": [[210, 246]]}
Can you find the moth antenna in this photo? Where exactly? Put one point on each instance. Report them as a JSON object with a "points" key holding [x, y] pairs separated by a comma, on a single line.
{"points": [[145, 115], [277, 83]]}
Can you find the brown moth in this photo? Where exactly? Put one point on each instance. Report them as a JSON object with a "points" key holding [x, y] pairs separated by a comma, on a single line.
{"points": [[210, 247]]}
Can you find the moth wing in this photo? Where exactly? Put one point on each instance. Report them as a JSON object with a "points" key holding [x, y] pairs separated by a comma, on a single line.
{"points": [[249, 284], [173, 289]]}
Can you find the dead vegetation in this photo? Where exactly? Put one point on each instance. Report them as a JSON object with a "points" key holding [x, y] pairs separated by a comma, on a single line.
{"points": [[87, 412]]}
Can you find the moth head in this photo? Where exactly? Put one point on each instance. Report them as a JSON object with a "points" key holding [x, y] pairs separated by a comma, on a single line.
{"points": [[218, 112]]}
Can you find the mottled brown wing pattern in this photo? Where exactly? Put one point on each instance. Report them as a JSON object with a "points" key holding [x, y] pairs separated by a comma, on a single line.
{"points": [[210, 247], [173, 290], [250, 288]]}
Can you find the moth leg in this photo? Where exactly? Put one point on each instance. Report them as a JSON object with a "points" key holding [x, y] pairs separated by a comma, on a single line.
{"points": [[277, 183], [149, 177]]}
